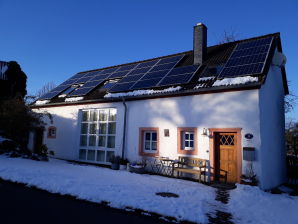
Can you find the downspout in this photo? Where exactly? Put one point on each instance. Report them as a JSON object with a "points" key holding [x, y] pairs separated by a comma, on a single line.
{"points": [[124, 128]]}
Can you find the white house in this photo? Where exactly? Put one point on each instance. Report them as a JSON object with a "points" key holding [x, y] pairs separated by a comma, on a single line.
{"points": [[222, 103]]}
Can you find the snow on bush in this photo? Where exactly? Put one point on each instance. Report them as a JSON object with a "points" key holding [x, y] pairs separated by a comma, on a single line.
{"points": [[143, 92], [41, 102], [74, 99], [252, 205], [235, 81]]}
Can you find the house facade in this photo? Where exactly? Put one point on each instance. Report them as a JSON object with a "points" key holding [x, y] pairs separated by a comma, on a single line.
{"points": [[236, 122]]}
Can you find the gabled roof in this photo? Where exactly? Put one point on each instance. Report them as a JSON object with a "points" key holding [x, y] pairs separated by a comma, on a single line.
{"points": [[205, 78]]}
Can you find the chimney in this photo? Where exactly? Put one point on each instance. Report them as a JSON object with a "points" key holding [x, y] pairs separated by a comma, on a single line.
{"points": [[199, 43]]}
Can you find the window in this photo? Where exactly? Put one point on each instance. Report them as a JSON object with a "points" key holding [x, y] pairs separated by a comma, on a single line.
{"points": [[98, 135], [187, 141], [109, 84], [149, 138], [52, 132], [69, 90]]}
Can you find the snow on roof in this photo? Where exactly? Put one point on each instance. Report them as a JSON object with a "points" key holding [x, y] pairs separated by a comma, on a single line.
{"points": [[235, 81], [41, 102], [142, 92], [74, 99]]}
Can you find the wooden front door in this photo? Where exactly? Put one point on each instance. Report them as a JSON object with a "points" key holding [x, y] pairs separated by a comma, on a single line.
{"points": [[226, 156]]}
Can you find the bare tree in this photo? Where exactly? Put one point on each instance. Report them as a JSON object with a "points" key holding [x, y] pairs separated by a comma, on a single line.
{"points": [[45, 89], [228, 36]]}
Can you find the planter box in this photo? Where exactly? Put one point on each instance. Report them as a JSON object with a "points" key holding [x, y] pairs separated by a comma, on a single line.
{"points": [[123, 167], [115, 166], [139, 170]]}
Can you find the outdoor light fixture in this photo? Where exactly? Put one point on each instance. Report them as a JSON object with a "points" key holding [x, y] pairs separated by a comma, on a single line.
{"points": [[205, 132]]}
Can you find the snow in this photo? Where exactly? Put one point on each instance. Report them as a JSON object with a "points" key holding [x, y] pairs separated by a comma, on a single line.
{"points": [[235, 81], [74, 99], [252, 205], [121, 188], [142, 92], [41, 102], [206, 78]]}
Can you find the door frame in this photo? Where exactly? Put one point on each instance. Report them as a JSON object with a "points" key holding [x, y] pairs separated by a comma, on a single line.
{"points": [[212, 145]]}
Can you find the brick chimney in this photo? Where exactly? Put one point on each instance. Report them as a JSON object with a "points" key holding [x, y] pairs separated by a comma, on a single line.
{"points": [[199, 43]]}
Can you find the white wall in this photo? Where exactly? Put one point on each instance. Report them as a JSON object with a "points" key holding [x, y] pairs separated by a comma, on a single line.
{"points": [[273, 170], [217, 110], [238, 109], [66, 120]]}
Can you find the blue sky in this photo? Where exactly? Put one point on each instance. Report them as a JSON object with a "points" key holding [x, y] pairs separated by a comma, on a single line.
{"points": [[52, 40]]}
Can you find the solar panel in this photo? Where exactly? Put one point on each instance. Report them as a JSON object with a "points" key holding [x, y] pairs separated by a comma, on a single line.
{"points": [[118, 74], [86, 88], [158, 74], [171, 59], [139, 71], [147, 83], [248, 58], [131, 78], [146, 77], [176, 79], [126, 67], [119, 87], [163, 66], [147, 64]]}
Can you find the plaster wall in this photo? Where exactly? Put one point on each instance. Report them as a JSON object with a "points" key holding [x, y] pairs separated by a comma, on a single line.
{"points": [[273, 160]]}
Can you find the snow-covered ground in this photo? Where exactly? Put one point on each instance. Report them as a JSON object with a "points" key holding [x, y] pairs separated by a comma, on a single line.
{"points": [[120, 188], [252, 205], [123, 189]]}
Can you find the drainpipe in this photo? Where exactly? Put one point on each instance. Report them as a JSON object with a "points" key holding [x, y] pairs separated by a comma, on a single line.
{"points": [[124, 128]]}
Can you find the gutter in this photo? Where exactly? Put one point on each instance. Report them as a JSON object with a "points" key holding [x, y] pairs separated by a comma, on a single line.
{"points": [[124, 128]]}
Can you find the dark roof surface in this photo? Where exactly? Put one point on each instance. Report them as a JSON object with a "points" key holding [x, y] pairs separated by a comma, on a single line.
{"points": [[203, 80]]}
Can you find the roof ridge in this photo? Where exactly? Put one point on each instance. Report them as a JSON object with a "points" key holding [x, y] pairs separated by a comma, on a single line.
{"points": [[184, 52]]}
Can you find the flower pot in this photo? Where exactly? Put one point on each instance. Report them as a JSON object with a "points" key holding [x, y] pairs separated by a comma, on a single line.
{"points": [[123, 167], [115, 166]]}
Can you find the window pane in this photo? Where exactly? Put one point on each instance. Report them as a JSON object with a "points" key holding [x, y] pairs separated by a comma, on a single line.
{"points": [[147, 145], [112, 128], [191, 136], [191, 144], [109, 155], [112, 116], [154, 146], [100, 156], [111, 141], [154, 136], [186, 136], [186, 143], [91, 155], [83, 140], [93, 115], [102, 128], [103, 115], [84, 128], [85, 116], [92, 129], [92, 140], [147, 136], [102, 141], [82, 154]]}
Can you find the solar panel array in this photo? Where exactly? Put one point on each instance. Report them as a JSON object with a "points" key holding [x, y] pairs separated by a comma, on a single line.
{"points": [[154, 73], [248, 58]]}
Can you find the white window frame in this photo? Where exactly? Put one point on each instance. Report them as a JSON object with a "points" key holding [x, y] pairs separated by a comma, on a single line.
{"points": [[150, 142], [107, 150], [184, 133]]}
